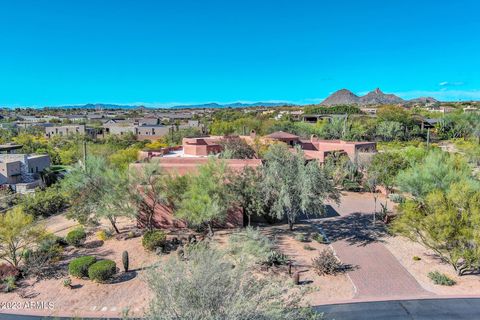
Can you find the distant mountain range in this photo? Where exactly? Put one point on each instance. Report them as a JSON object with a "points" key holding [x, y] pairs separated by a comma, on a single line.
{"points": [[340, 97], [375, 97], [212, 105], [233, 105]]}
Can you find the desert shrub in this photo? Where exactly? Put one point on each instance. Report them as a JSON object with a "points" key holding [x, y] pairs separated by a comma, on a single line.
{"points": [[275, 258], [326, 263], [103, 235], [41, 262], [8, 284], [44, 203], [416, 258], [67, 282], [301, 237], [7, 270], [440, 279], [320, 238], [250, 245], [79, 267], [102, 271], [308, 247], [153, 239], [353, 186], [396, 198], [76, 237], [195, 288]]}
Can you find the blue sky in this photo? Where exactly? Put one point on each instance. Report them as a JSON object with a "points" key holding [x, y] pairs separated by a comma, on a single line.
{"points": [[177, 51]]}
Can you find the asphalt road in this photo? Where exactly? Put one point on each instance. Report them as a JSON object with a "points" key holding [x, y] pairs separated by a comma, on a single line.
{"points": [[427, 309], [436, 309]]}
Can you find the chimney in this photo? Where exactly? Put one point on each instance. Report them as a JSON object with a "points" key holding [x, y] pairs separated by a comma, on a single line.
{"points": [[253, 134]]}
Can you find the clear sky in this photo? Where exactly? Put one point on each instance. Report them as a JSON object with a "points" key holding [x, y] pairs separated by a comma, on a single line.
{"points": [[57, 52]]}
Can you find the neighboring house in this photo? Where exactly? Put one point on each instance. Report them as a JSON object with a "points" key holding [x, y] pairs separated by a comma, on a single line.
{"points": [[22, 171], [313, 148], [151, 132], [370, 111], [119, 128], [319, 149], [148, 122], [471, 109], [74, 117], [202, 146], [64, 130]]}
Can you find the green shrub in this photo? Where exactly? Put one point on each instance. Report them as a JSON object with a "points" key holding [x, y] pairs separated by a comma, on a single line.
{"points": [[76, 237], [276, 258], [102, 271], [153, 239], [308, 247], [440, 279], [79, 267], [7, 270], [326, 263], [42, 260], [301, 237], [67, 282], [250, 244], [9, 284], [320, 238], [44, 203], [396, 198]]}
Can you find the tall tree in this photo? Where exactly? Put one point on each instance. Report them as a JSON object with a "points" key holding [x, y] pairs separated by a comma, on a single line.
{"points": [[293, 187], [438, 171], [247, 190], [447, 222], [148, 190], [18, 232], [236, 148], [207, 198], [385, 167], [98, 191]]}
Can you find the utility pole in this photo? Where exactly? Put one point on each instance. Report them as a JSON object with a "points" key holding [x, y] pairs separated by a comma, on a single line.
{"points": [[84, 154], [428, 137]]}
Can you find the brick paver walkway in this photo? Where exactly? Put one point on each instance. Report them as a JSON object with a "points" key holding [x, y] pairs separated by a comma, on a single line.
{"points": [[376, 272]]}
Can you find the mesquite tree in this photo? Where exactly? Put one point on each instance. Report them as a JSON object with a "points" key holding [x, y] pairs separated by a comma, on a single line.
{"points": [[207, 197], [97, 191], [293, 186]]}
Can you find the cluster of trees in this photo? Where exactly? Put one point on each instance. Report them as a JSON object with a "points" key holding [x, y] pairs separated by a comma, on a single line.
{"points": [[392, 123], [442, 209], [285, 187]]}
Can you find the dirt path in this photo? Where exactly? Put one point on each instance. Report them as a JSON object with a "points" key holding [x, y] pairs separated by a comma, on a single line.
{"points": [[376, 272]]}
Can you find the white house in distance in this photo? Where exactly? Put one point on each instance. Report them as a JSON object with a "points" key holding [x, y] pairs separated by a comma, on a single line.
{"points": [[21, 171]]}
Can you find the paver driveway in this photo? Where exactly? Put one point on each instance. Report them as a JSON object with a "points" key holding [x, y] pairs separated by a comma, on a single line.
{"points": [[376, 273]]}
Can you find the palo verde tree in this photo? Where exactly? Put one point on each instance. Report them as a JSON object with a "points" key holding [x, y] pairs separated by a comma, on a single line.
{"points": [[236, 148], [18, 232], [383, 169], [148, 190], [97, 191], [295, 187], [438, 171], [247, 189], [207, 197], [447, 222]]}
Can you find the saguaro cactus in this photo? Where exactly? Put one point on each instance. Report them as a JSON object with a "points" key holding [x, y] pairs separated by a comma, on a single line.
{"points": [[125, 260]]}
